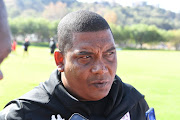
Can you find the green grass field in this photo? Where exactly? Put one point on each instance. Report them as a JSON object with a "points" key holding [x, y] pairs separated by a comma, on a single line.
{"points": [[156, 74]]}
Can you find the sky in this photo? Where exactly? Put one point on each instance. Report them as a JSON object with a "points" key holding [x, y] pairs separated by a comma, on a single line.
{"points": [[172, 5]]}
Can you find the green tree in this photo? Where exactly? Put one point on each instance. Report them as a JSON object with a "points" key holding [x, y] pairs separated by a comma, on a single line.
{"points": [[175, 38], [53, 28], [42, 30], [13, 27], [145, 34], [120, 34]]}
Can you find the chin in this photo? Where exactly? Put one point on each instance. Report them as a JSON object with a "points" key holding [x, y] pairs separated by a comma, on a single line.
{"points": [[100, 95]]}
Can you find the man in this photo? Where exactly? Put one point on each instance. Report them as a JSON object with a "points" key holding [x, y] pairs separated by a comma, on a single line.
{"points": [[5, 41], [52, 45], [26, 45], [85, 82]]}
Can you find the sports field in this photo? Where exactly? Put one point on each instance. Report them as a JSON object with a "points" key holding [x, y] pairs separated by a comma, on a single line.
{"points": [[156, 74]]}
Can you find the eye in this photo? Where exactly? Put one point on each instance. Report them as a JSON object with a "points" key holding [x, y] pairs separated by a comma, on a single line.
{"points": [[85, 57], [110, 53]]}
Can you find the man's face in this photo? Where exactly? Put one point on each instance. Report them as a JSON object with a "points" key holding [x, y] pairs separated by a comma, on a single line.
{"points": [[90, 65]]}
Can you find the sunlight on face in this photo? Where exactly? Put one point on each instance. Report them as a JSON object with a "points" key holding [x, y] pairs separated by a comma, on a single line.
{"points": [[90, 65]]}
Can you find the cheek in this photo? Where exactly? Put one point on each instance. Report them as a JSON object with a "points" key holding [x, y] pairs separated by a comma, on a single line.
{"points": [[112, 66], [79, 68], [77, 72]]}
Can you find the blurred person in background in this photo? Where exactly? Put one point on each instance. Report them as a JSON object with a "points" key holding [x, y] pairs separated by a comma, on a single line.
{"points": [[14, 44], [26, 45], [5, 38], [52, 45]]}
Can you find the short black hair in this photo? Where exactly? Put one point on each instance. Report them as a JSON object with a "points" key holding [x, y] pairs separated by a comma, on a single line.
{"points": [[79, 21]]}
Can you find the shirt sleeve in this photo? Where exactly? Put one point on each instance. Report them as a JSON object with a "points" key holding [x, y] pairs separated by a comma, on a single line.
{"points": [[12, 112]]}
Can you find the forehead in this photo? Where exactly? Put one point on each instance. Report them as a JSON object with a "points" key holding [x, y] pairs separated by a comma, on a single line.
{"points": [[99, 39]]}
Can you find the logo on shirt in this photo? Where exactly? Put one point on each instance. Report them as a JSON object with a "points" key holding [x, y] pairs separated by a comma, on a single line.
{"points": [[53, 117], [126, 117]]}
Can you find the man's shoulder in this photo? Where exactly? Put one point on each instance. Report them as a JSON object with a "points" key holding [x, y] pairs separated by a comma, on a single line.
{"points": [[23, 109], [41, 98], [128, 99], [44, 92], [32, 104], [10, 111], [17, 109], [38, 94]]}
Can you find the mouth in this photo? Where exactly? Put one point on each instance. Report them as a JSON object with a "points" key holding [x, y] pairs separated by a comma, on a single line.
{"points": [[100, 83]]}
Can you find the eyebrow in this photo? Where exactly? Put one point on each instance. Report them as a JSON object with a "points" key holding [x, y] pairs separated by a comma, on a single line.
{"points": [[90, 53], [112, 48], [84, 53]]}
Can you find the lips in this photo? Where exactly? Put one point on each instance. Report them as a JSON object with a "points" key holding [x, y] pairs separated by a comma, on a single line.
{"points": [[100, 83]]}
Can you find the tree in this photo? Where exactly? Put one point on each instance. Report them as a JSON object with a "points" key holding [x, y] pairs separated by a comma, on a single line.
{"points": [[111, 17], [146, 34], [120, 34], [175, 38], [53, 28], [43, 28], [13, 27], [55, 11]]}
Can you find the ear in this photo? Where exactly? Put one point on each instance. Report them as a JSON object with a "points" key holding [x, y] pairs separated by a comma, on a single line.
{"points": [[58, 56]]}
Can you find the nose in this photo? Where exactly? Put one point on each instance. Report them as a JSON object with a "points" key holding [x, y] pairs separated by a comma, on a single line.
{"points": [[99, 68]]}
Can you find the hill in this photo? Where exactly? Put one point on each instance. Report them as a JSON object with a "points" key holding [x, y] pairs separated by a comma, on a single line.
{"points": [[113, 13]]}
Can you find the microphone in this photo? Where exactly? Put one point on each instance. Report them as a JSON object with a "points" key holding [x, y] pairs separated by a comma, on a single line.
{"points": [[77, 116], [150, 114]]}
